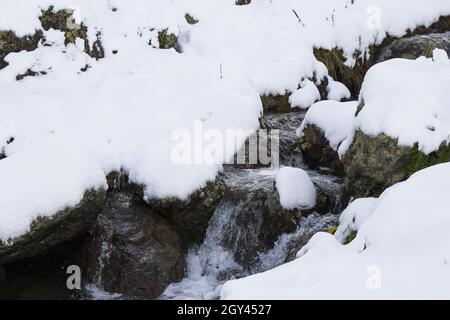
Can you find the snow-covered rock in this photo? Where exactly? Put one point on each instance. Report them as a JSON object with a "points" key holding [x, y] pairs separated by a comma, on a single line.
{"points": [[326, 132], [401, 250], [295, 188], [50, 192], [306, 96], [403, 123]]}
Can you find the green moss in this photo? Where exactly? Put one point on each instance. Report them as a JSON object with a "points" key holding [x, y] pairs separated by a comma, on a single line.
{"points": [[419, 160], [167, 40], [332, 230], [351, 236], [190, 19]]}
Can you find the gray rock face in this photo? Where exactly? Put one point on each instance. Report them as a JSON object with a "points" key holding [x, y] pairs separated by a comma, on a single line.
{"points": [[47, 233], [133, 250], [416, 46], [317, 152]]}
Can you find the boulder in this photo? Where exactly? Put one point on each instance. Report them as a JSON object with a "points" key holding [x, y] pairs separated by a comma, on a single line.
{"points": [[373, 164], [317, 152], [416, 46], [133, 250], [49, 232], [254, 216]]}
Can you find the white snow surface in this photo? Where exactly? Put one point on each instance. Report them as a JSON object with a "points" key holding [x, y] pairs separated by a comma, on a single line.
{"points": [[306, 96], [335, 119], [295, 189], [42, 179], [401, 251], [408, 100], [337, 91], [125, 109]]}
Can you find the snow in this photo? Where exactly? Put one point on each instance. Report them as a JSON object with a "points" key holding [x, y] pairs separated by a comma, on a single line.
{"points": [[125, 109], [337, 91], [306, 96], [42, 179], [295, 189], [335, 119], [408, 100], [401, 250]]}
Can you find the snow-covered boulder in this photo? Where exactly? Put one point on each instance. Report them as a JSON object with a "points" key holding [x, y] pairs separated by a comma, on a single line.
{"points": [[401, 250], [325, 133], [50, 192], [402, 123]]}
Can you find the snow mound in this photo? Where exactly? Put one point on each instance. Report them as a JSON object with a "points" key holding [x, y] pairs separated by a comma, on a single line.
{"points": [[408, 100], [306, 96], [401, 250], [295, 188], [337, 91], [335, 119], [42, 179]]}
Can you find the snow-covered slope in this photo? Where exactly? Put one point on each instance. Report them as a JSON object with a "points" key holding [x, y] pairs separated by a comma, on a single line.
{"points": [[402, 250], [127, 108]]}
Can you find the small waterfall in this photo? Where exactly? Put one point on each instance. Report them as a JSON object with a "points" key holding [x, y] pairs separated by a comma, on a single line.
{"points": [[214, 261]]}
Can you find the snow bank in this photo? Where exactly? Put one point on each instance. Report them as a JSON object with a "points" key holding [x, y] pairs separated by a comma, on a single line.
{"points": [[401, 250], [337, 91], [295, 188], [335, 119], [408, 100], [126, 107], [42, 179]]}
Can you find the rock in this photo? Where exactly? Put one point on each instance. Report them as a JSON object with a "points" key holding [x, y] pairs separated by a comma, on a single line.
{"points": [[287, 125], [317, 152], [273, 144], [416, 46], [252, 216], [49, 232], [133, 250], [191, 216], [373, 164], [168, 40]]}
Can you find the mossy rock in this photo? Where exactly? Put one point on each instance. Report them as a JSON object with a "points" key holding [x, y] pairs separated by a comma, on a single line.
{"points": [[9, 42], [350, 237], [373, 164], [242, 2], [62, 20], [353, 77], [46, 233]]}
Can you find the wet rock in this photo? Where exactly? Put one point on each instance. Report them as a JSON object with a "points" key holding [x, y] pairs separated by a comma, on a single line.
{"points": [[287, 125], [49, 232], [133, 250], [416, 46], [317, 152], [373, 164], [252, 217], [191, 216]]}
